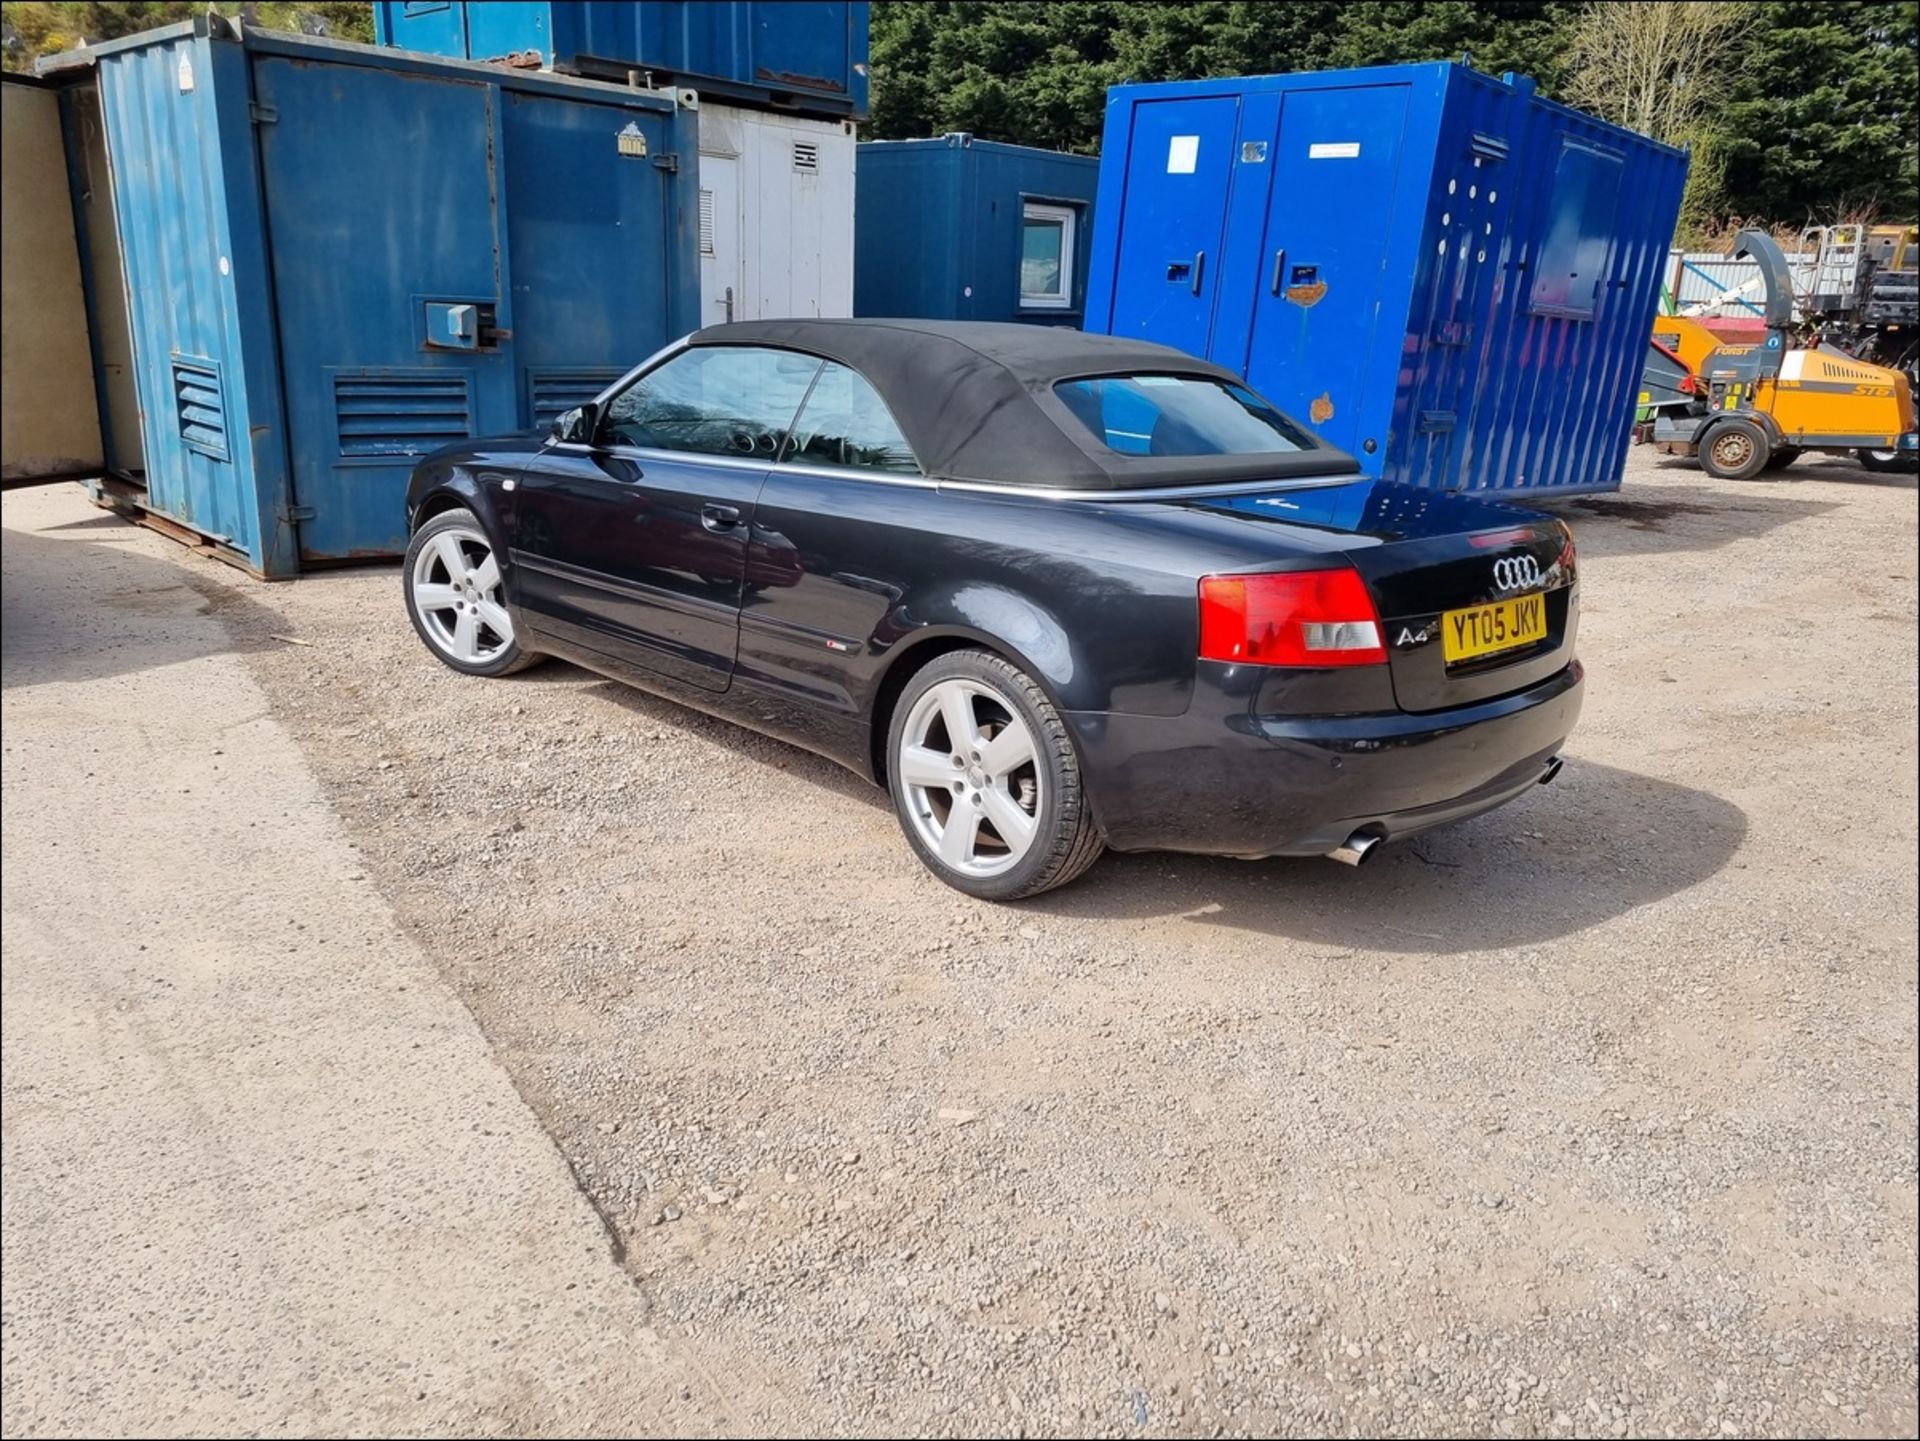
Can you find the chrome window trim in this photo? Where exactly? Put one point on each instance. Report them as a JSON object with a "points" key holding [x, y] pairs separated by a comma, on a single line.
{"points": [[922, 482], [1042, 492]]}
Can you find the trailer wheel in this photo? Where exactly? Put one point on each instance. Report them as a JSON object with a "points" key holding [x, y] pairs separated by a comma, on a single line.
{"points": [[1785, 456], [1890, 462], [1735, 450]]}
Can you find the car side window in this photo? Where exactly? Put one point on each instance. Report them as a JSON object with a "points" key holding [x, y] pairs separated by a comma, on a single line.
{"points": [[846, 423], [734, 400]]}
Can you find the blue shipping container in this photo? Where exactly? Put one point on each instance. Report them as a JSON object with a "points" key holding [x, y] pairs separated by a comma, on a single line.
{"points": [[1440, 271], [337, 258], [801, 55], [965, 229]]}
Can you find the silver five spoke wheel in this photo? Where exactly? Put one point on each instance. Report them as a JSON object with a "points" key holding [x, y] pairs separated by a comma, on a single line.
{"points": [[456, 590], [972, 777]]}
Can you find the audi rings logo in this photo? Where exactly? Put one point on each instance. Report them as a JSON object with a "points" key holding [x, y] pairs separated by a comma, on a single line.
{"points": [[1516, 572]]}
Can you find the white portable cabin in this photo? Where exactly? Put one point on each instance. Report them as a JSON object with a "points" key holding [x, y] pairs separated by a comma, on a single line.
{"points": [[776, 215]]}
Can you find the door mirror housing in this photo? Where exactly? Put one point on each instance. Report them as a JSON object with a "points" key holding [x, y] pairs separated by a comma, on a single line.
{"points": [[576, 426]]}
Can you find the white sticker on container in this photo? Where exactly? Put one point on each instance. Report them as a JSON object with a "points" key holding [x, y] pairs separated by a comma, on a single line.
{"points": [[1334, 150], [185, 72], [1183, 152]]}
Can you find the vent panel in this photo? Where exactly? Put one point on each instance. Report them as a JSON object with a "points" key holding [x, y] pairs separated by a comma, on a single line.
{"points": [[706, 222], [552, 393], [397, 412], [200, 405], [806, 157]]}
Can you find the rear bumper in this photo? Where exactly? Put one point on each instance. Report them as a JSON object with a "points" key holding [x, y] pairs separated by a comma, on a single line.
{"points": [[1222, 780]]}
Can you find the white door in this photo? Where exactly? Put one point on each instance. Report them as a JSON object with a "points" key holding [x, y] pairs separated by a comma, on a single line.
{"points": [[721, 277]]}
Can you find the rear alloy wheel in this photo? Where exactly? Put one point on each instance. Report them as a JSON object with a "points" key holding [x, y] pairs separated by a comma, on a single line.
{"points": [[1735, 450], [454, 598], [1890, 462], [985, 780]]}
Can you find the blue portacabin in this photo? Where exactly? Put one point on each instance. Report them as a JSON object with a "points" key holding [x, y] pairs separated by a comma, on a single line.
{"points": [[1439, 270], [957, 228], [806, 56], [337, 258]]}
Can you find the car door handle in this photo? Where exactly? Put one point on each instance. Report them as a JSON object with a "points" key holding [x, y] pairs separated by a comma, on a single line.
{"points": [[1199, 268], [719, 518]]}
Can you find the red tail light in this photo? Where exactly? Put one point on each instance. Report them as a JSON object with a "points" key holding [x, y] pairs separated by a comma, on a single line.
{"points": [[1302, 617]]}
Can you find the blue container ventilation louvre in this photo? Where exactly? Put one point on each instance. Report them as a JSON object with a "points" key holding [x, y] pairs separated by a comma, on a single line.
{"points": [[200, 409]]}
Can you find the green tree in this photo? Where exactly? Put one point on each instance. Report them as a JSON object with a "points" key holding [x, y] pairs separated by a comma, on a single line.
{"points": [[1037, 73], [1822, 120], [1665, 68], [34, 28], [1501, 35]]}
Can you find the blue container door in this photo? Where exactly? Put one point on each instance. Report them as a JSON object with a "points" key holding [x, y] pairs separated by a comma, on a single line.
{"points": [[389, 277], [1179, 170], [437, 27], [504, 28], [601, 271], [1317, 305]]}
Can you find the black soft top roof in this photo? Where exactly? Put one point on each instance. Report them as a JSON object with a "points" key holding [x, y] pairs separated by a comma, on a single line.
{"points": [[976, 401]]}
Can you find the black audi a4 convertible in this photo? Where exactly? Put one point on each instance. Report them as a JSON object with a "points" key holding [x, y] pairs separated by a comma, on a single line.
{"points": [[1057, 592]]}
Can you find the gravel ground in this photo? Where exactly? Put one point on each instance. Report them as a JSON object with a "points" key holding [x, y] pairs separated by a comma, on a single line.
{"points": [[1593, 1116]]}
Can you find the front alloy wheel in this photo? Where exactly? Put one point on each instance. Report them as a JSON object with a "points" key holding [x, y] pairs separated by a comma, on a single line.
{"points": [[454, 597], [985, 779]]}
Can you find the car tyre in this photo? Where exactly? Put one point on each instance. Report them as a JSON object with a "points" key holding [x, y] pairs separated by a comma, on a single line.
{"points": [[1735, 450], [456, 598], [1890, 462], [985, 779]]}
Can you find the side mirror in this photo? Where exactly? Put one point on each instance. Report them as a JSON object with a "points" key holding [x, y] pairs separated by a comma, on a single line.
{"points": [[576, 425]]}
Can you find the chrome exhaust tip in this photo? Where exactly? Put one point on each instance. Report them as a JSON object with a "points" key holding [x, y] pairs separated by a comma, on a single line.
{"points": [[1356, 849], [1552, 770]]}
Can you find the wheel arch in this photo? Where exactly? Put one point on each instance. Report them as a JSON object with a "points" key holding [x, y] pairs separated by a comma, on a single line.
{"points": [[1768, 426], [914, 653], [456, 488]]}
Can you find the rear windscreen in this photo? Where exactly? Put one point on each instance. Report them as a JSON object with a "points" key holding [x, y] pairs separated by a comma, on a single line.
{"points": [[1179, 415]]}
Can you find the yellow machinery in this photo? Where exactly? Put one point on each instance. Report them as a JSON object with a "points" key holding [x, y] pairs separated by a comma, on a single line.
{"points": [[1744, 409]]}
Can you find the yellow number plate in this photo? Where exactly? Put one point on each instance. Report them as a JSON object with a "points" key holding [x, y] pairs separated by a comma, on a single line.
{"points": [[1485, 629]]}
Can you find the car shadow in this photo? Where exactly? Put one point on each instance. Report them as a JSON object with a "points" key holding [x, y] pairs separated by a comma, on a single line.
{"points": [[1610, 525], [1597, 844], [737, 740]]}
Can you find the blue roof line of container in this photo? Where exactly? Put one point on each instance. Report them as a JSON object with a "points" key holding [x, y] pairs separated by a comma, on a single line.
{"points": [[348, 52], [1437, 71], [966, 140]]}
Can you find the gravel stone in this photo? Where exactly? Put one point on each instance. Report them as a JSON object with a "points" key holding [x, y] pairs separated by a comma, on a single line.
{"points": [[1613, 1088]]}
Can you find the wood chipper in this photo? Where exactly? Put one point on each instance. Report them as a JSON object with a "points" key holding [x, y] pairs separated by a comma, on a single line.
{"points": [[1745, 409]]}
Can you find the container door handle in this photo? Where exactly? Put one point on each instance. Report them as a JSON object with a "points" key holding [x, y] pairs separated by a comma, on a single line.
{"points": [[1279, 269], [1199, 268]]}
